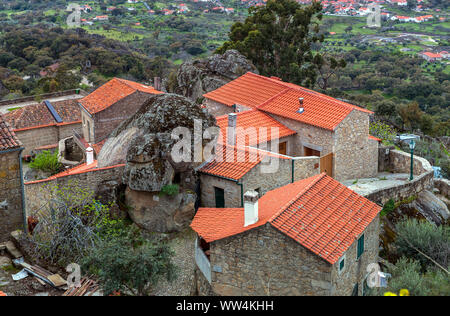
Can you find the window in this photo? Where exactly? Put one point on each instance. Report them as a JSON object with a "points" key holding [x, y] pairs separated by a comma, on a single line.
{"points": [[220, 197], [360, 246], [341, 264]]}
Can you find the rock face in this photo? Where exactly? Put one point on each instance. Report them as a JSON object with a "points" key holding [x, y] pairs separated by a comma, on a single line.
{"points": [[161, 213], [144, 143], [431, 207], [194, 78]]}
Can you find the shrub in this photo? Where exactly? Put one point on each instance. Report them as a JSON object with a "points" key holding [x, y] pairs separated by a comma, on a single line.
{"points": [[388, 207], [406, 274], [432, 240], [47, 162], [170, 189], [383, 131], [124, 267]]}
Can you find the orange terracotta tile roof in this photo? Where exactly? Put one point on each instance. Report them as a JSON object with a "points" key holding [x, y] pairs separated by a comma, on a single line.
{"points": [[38, 115], [282, 98], [111, 92], [234, 162], [249, 90], [231, 162], [253, 119], [8, 139], [98, 147], [375, 138], [83, 168], [319, 213]]}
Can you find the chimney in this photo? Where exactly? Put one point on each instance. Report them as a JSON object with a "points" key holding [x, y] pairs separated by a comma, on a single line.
{"points": [[157, 83], [231, 131], [250, 208], [89, 155], [301, 109]]}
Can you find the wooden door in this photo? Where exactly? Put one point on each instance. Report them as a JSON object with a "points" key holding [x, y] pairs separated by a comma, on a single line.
{"points": [[282, 148], [326, 164]]}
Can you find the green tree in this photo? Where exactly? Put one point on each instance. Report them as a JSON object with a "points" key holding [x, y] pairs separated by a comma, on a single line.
{"points": [[278, 37], [124, 267]]}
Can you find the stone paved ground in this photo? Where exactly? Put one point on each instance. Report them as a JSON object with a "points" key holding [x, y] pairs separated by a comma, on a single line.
{"points": [[382, 181], [183, 246]]}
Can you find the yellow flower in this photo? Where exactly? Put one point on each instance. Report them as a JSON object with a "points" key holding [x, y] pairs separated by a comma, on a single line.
{"points": [[404, 292], [390, 294]]}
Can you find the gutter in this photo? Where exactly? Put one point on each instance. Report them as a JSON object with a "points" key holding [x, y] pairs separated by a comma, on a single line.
{"points": [[22, 188]]}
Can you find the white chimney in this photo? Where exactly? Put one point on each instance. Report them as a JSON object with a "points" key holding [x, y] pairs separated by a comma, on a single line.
{"points": [[89, 155], [231, 131], [250, 208], [301, 109], [157, 83]]}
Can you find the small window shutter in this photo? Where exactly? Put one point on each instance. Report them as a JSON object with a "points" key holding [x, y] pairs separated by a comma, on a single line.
{"points": [[360, 246]]}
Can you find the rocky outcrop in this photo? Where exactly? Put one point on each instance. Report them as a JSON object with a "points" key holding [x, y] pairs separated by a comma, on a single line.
{"points": [[194, 78], [157, 212], [144, 143], [431, 207]]}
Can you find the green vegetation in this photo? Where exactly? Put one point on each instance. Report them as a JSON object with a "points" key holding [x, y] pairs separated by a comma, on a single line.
{"points": [[170, 189], [47, 161]]}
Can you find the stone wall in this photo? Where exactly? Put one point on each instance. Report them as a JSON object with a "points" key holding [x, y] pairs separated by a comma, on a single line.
{"points": [[264, 261], [11, 211], [43, 97], [38, 193], [256, 179], [107, 120], [397, 161], [43, 136], [216, 108], [355, 270], [355, 155]]}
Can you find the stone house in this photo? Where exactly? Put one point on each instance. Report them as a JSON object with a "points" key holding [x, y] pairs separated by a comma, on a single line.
{"points": [[334, 130], [11, 183], [311, 237], [42, 125], [108, 106]]}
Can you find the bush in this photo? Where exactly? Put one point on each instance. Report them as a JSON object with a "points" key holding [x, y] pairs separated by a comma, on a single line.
{"points": [[47, 162], [383, 131], [170, 189], [406, 274], [124, 267], [388, 207], [432, 240]]}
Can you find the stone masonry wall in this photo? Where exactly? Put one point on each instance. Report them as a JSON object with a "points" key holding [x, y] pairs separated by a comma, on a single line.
{"points": [[355, 155], [216, 108], [355, 270], [264, 261], [107, 120], [11, 214], [399, 162], [37, 137], [304, 167], [38, 193]]}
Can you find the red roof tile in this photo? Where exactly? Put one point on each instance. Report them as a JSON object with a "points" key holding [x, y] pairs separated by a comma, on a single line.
{"points": [[111, 92], [249, 90], [233, 162], [253, 119], [8, 139], [281, 98], [38, 115], [320, 213]]}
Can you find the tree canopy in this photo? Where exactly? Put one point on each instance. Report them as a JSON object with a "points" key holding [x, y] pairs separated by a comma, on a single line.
{"points": [[278, 38]]}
